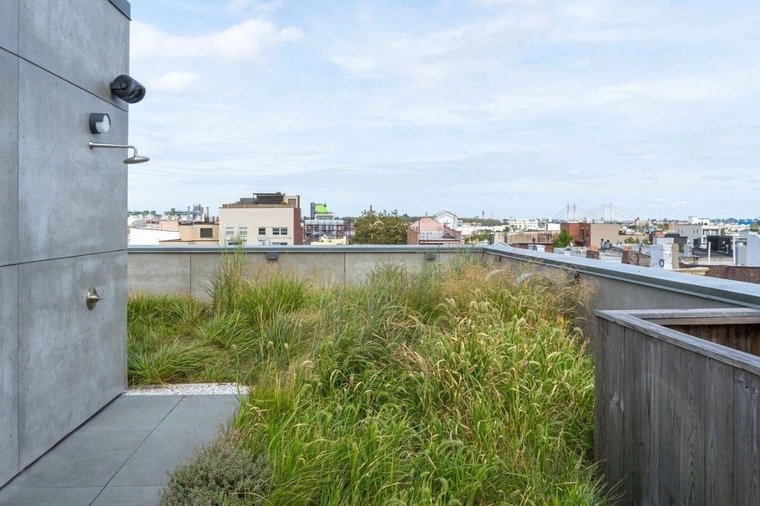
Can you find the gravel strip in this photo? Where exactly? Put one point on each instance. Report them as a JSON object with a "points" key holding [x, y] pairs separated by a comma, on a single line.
{"points": [[190, 389]]}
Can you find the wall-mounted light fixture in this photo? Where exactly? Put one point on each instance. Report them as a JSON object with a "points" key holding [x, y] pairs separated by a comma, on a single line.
{"points": [[100, 122], [132, 159]]}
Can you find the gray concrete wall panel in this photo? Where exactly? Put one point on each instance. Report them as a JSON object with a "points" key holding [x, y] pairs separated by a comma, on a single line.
{"points": [[9, 25], [324, 269], [359, 265], [192, 272], [8, 155], [8, 372], [85, 42], [73, 199], [160, 274], [72, 361]]}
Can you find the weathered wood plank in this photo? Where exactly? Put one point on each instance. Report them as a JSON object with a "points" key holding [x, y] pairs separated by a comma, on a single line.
{"points": [[705, 321], [614, 406], [600, 435], [719, 437], [647, 314], [668, 398], [651, 429], [690, 408], [746, 458], [724, 354], [636, 379]]}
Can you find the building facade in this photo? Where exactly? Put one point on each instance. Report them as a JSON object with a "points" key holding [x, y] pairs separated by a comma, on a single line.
{"points": [[61, 360], [428, 231], [263, 220], [591, 235], [323, 227], [696, 235], [195, 234]]}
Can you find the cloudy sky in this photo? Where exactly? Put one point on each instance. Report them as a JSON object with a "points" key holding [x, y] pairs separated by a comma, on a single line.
{"points": [[508, 107]]}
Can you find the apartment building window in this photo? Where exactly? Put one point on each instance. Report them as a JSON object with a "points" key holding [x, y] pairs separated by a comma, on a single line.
{"points": [[243, 232], [229, 231], [206, 233], [262, 231], [280, 231]]}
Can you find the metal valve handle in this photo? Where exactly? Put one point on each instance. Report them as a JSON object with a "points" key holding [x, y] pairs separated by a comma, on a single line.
{"points": [[92, 298]]}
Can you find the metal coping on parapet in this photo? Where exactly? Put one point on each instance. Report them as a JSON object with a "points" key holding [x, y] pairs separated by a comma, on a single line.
{"points": [[123, 6], [728, 291]]}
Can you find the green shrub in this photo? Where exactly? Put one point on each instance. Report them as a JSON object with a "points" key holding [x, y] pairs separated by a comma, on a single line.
{"points": [[225, 473]]}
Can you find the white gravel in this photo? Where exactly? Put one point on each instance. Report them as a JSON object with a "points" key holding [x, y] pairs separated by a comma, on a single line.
{"points": [[190, 389]]}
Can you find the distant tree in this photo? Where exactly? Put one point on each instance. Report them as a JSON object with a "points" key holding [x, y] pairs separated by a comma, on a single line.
{"points": [[380, 228], [479, 236], [632, 240], [562, 240]]}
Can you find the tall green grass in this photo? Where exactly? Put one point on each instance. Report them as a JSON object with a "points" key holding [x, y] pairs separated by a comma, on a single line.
{"points": [[454, 385]]}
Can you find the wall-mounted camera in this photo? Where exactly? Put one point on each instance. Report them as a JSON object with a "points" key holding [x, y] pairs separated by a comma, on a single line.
{"points": [[128, 89]]}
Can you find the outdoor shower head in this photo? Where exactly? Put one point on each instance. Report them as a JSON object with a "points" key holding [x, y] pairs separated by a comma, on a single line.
{"points": [[129, 161], [136, 159]]}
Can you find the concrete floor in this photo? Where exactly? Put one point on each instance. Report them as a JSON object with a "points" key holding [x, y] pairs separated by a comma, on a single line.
{"points": [[124, 454]]}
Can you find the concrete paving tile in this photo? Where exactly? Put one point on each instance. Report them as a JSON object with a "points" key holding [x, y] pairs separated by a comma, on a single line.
{"points": [[142, 412], [200, 411], [53, 496], [84, 459], [161, 453], [132, 496]]}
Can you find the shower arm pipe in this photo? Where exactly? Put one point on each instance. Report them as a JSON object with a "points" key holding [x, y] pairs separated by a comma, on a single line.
{"points": [[94, 145]]}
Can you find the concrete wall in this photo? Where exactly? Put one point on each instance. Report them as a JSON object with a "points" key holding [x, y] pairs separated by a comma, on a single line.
{"points": [[626, 287], [612, 286], [189, 270], [59, 362]]}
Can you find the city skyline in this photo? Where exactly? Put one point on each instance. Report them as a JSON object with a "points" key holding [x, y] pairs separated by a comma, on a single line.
{"points": [[512, 107]]}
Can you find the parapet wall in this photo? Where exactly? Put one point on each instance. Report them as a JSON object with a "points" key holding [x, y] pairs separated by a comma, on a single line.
{"points": [[189, 270]]}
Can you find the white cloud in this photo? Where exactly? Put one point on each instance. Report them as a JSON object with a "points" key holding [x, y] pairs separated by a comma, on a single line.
{"points": [[244, 41], [355, 64], [173, 81], [238, 6]]}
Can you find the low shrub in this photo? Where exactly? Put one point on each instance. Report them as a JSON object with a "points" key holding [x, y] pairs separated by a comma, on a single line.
{"points": [[224, 473]]}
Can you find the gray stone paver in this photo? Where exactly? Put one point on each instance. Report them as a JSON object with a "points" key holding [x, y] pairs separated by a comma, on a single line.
{"points": [[131, 496], [133, 413], [124, 454]]}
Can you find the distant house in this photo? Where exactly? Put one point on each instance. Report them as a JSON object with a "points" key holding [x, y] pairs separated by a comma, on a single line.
{"points": [[591, 235], [447, 218], [428, 231]]}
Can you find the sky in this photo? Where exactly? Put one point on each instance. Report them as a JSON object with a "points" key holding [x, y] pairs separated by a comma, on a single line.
{"points": [[507, 108]]}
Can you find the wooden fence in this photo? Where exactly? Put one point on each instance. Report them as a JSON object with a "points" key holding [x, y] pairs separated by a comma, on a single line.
{"points": [[678, 415]]}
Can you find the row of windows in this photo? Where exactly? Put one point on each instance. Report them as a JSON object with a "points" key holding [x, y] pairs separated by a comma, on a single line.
{"points": [[243, 232]]}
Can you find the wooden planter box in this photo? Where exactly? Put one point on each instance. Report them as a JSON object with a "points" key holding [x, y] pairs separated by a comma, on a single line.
{"points": [[678, 405]]}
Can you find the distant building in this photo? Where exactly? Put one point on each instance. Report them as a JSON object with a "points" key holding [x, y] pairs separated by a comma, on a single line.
{"points": [[523, 224], [524, 239], [428, 231], [448, 218], [322, 227], [591, 235], [261, 220], [696, 234], [198, 234]]}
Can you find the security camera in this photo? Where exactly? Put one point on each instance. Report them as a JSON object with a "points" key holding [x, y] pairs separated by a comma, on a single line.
{"points": [[128, 89]]}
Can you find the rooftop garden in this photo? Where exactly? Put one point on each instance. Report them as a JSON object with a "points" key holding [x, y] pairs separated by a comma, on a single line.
{"points": [[459, 384]]}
